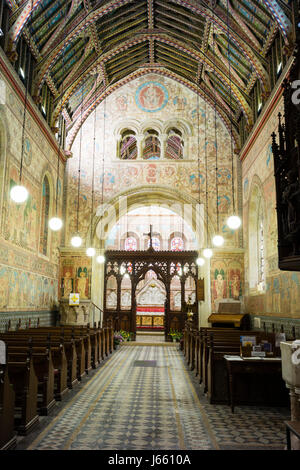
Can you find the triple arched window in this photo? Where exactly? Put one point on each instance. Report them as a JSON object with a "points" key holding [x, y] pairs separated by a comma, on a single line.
{"points": [[151, 144]]}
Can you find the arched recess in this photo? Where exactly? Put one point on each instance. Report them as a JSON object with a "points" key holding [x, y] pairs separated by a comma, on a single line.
{"points": [[256, 235]]}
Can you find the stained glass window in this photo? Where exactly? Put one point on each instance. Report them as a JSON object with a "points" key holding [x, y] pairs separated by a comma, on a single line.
{"points": [[130, 244], [155, 243], [177, 244]]}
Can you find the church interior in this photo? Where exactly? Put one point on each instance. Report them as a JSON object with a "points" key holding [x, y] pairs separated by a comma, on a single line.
{"points": [[149, 225]]}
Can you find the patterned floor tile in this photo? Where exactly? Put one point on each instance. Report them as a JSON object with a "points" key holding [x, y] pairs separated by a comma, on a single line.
{"points": [[125, 407]]}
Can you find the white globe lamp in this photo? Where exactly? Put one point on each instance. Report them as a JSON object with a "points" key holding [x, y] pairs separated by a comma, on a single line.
{"points": [[18, 194], [218, 240], [55, 223], [207, 253], [90, 251], [100, 259], [234, 222], [76, 241], [200, 261]]}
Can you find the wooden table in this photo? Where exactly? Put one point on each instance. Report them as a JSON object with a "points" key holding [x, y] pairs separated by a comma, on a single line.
{"points": [[294, 428], [258, 370]]}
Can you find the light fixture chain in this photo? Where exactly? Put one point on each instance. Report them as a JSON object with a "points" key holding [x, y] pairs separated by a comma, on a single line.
{"points": [[230, 102]]}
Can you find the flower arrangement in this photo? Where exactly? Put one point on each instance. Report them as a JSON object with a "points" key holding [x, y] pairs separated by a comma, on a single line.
{"points": [[125, 335], [175, 334], [118, 338]]}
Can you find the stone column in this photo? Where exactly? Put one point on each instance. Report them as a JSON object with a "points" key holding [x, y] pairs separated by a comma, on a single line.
{"points": [[163, 145], [139, 144]]}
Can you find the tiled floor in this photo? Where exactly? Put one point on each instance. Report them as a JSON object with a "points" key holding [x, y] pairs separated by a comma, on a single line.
{"points": [[145, 398]]}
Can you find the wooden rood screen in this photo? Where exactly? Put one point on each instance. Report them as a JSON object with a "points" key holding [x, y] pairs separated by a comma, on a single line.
{"points": [[135, 264]]}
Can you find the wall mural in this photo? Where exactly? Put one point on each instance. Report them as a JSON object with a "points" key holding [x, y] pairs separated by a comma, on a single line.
{"points": [[227, 278], [151, 97], [281, 295], [28, 279], [75, 275], [151, 101], [23, 290]]}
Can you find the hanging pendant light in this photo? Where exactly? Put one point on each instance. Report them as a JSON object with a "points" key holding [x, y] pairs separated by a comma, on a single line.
{"points": [[76, 240], [200, 261], [56, 223], [217, 240], [207, 252], [18, 192], [91, 251], [234, 221], [100, 259]]}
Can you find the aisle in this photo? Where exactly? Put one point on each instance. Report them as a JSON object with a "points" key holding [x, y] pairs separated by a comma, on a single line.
{"points": [[144, 398]]}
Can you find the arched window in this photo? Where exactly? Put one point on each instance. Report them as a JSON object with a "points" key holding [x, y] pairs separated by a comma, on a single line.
{"points": [[152, 146], [174, 147], [177, 244], [128, 145], [130, 244], [155, 243], [44, 216]]}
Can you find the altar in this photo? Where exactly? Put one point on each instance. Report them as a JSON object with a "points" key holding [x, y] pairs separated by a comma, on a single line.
{"points": [[150, 308], [149, 317]]}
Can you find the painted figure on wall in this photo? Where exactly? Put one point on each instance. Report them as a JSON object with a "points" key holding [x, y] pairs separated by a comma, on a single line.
{"points": [[219, 285], [67, 284], [82, 283], [235, 284]]}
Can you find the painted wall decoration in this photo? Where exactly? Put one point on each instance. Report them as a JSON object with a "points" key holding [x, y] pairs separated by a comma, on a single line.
{"points": [[227, 277], [24, 290], [75, 276], [281, 295], [151, 97]]}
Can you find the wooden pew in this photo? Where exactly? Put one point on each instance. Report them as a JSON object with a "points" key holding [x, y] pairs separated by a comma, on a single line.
{"points": [[23, 378], [8, 439], [58, 356], [44, 370]]}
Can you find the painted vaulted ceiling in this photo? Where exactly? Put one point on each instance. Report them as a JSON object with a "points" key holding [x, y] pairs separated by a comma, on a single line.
{"points": [[87, 49]]}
